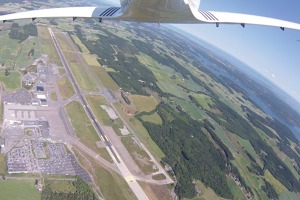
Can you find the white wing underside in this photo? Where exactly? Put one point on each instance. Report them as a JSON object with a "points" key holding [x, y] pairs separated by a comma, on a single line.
{"points": [[144, 14], [69, 12]]}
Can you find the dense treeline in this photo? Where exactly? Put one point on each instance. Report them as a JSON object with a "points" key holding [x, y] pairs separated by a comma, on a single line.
{"points": [[83, 191], [210, 129], [22, 32], [189, 152]]}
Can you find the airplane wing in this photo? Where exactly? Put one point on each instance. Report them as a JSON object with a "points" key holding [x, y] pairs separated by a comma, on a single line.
{"points": [[82, 12], [242, 19]]}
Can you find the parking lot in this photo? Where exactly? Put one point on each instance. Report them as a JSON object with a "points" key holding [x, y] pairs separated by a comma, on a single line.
{"points": [[38, 156]]}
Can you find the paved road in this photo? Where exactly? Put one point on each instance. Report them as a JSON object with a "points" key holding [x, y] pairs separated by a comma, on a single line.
{"points": [[133, 184]]}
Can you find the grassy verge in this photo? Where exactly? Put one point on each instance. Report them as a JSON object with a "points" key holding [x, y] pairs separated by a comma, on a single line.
{"points": [[53, 96], [84, 129], [159, 177], [83, 79], [95, 103], [65, 88], [112, 185], [80, 44], [104, 77]]}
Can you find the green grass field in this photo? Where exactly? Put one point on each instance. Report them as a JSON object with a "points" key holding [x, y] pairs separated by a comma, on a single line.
{"points": [[65, 88], [80, 44], [63, 43], [144, 103], [84, 129], [95, 103], [9, 49], [19, 190], [11, 82], [91, 60], [236, 191], [153, 118], [82, 125], [23, 60], [83, 79], [53, 96], [204, 100], [104, 77]]}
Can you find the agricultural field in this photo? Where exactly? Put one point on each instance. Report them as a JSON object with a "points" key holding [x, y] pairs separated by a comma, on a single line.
{"points": [[19, 189], [65, 88]]}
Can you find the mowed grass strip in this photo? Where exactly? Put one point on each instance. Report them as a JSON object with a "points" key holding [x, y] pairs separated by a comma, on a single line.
{"points": [[112, 185], [80, 44], [62, 41], [95, 103], [91, 60], [19, 189], [65, 88], [83, 79], [144, 103], [48, 47], [84, 130], [11, 82], [82, 125], [104, 77]]}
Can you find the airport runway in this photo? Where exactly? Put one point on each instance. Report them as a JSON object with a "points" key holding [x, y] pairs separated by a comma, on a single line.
{"points": [[130, 179]]}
